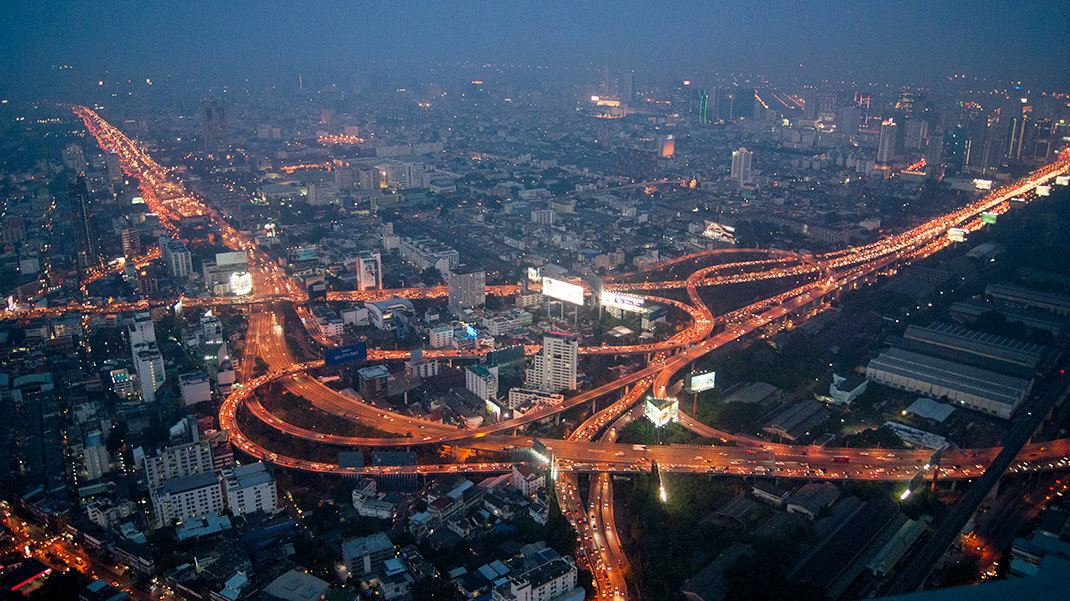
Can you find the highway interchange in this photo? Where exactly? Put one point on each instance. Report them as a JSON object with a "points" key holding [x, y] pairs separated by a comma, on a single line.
{"points": [[590, 448]]}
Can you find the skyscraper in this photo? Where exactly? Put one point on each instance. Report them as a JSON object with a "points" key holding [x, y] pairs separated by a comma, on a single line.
{"points": [[886, 143], [554, 368], [86, 241], [215, 122], [741, 166]]}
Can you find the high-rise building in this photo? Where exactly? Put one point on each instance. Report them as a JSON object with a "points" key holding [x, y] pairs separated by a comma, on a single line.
{"points": [[810, 103], [554, 367], [345, 178], [682, 102], [84, 237], [482, 382], [886, 143], [74, 158], [177, 257], [115, 168], [467, 289], [131, 243], [826, 102], [148, 361], [741, 166], [369, 271], [178, 461], [917, 132], [627, 91], [667, 145], [848, 119], [214, 117]]}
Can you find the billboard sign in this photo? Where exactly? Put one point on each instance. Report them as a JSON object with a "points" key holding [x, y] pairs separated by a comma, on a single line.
{"points": [[534, 274], [241, 283], [697, 382], [231, 258], [661, 411], [989, 218], [956, 234], [624, 302], [344, 354], [304, 253], [982, 184], [564, 291], [369, 272], [1062, 180], [1043, 190]]}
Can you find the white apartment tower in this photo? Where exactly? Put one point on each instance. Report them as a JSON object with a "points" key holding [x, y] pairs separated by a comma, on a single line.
{"points": [[179, 461], [886, 143], [741, 166], [554, 368]]}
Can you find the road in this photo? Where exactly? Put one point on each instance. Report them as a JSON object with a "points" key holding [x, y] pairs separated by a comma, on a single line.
{"points": [[816, 280]]}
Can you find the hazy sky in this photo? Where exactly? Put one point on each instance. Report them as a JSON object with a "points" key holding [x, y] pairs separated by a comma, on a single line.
{"points": [[905, 41]]}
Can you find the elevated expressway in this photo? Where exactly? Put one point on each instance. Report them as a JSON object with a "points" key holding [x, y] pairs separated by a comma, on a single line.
{"points": [[817, 278]]}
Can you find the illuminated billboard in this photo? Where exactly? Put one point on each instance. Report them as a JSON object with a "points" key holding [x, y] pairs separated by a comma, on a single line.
{"points": [[988, 218], [956, 234], [570, 293], [534, 274], [697, 382], [1043, 190], [661, 411], [624, 302], [241, 283], [1062, 180], [369, 272], [982, 184]]}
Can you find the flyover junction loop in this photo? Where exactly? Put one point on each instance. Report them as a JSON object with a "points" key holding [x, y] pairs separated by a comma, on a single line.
{"points": [[823, 277]]}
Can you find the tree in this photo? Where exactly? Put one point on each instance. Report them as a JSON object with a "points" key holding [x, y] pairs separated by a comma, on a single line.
{"points": [[431, 276]]}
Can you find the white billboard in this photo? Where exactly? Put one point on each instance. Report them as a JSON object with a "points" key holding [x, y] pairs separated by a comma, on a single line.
{"points": [[231, 258], [534, 274], [1043, 190], [957, 234], [570, 293], [661, 411], [241, 283], [624, 302], [697, 382], [1062, 180]]}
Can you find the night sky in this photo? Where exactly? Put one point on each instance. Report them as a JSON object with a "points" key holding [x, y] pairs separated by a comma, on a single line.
{"points": [[220, 42]]}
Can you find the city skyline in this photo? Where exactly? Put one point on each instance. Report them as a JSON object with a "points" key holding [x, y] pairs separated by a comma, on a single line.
{"points": [[606, 302], [71, 47]]}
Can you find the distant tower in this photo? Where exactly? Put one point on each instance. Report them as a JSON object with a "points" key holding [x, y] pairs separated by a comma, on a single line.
{"points": [[78, 194], [74, 158], [681, 99], [666, 146], [215, 122], [886, 144], [626, 90], [741, 166]]}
